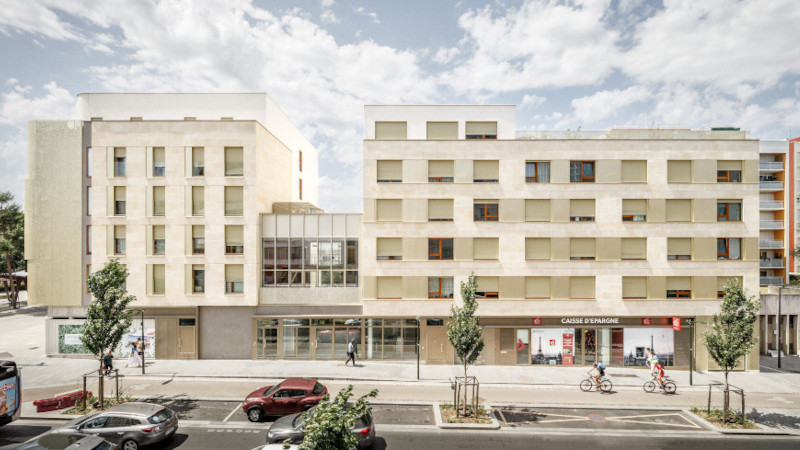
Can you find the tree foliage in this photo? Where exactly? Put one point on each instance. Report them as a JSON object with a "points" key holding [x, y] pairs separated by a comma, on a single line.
{"points": [[107, 318], [464, 330], [12, 242], [329, 426]]}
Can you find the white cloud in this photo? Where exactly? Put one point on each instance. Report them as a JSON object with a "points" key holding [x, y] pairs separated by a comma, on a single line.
{"points": [[327, 15], [35, 17], [605, 104], [372, 15], [530, 101], [446, 55]]}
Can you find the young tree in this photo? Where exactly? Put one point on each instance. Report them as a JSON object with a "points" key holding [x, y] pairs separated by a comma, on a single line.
{"points": [[107, 318], [464, 329], [732, 332], [12, 243], [329, 426]]}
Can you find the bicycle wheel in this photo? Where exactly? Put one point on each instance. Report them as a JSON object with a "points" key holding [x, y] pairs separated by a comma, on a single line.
{"points": [[670, 387], [587, 385], [649, 386], [606, 386]]}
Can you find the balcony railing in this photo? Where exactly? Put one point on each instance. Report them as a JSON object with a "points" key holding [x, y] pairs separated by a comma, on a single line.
{"points": [[767, 281], [770, 205], [771, 263], [771, 225], [770, 166], [770, 244], [771, 185]]}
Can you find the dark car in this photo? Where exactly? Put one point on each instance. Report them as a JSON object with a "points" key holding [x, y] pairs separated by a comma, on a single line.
{"points": [[60, 441], [291, 427], [292, 395], [129, 425]]}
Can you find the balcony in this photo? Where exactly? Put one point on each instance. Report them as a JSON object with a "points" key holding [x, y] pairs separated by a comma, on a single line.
{"points": [[776, 263], [771, 281], [770, 166], [767, 244], [771, 186], [770, 205], [771, 225]]}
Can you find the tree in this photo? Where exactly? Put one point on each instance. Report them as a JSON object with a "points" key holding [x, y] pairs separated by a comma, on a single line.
{"points": [[732, 332], [329, 426], [12, 243], [107, 318], [464, 330]]}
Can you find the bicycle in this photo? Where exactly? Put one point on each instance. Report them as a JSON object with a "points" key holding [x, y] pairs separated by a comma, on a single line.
{"points": [[589, 383], [669, 386]]}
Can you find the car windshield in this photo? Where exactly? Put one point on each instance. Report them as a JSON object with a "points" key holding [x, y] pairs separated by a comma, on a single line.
{"points": [[271, 390], [160, 417], [318, 388]]}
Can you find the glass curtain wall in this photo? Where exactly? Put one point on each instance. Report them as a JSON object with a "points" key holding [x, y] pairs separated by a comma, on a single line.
{"points": [[310, 262]]}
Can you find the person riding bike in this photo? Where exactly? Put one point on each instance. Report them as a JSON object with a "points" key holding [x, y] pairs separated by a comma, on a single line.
{"points": [[659, 373], [601, 372]]}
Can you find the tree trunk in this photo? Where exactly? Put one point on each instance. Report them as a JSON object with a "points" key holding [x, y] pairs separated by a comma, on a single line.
{"points": [[100, 383], [465, 389], [725, 399]]}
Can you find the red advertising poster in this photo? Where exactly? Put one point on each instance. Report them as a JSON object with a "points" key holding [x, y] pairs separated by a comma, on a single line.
{"points": [[567, 344], [537, 321], [647, 321], [676, 323]]}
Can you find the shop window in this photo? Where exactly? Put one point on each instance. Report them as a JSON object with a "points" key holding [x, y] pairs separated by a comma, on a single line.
{"points": [[729, 211], [434, 322], [537, 171], [729, 248], [581, 171], [440, 249], [390, 171], [485, 211], [440, 287]]}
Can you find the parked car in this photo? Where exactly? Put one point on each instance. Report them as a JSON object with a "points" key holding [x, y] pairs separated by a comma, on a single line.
{"points": [[61, 441], [275, 447], [291, 427], [290, 396], [129, 425]]}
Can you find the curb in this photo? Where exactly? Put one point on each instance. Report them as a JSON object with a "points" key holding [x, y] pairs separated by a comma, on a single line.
{"points": [[437, 415], [752, 432]]}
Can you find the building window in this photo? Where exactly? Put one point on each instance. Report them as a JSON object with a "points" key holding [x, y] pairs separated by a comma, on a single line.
{"points": [[679, 287], [159, 163], [581, 171], [487, 294], [729, 211], [440, 210], [234, 161], [88, 200], [679, 171], [389, 210], [581, 210], [300, 184], [488, 287], [537, 249], [729, 248], [234, 240], [198, 240], [234, 204], [634, 249], [486, 171], [581, 249], [159, 240], [634, 210], [537, 172], [729, 171], [198, 162], [88, 274], [391, 130], [537, 210], [389, 249], [679, 210], [159, 283], [440, 249], [88, 239], [440, 171], [234, 278], [198, 201], [485, 211], [441, 130], [481, 130], [440, 287], [119, 162], [679, 293], [300, 160], [634, 171], [198, 278], [89, 162], [390, 171], [634, 287], [119, 200], [159, 203], [679, 248], [485, 248]]}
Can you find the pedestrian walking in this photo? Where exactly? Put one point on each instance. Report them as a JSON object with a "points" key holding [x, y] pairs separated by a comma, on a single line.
{"points": [[108, 362], [134, 358], [351, 352]]}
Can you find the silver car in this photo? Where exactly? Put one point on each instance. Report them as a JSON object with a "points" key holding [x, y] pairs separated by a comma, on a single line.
{"points": [[291, 427], [129, 425]]}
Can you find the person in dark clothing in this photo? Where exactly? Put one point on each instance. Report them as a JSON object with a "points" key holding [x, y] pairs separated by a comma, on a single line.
{"points": [[108, 362], [351, 352]]}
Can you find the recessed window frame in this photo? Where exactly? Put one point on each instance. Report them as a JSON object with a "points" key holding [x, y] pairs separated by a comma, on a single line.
{"points": [[487, 217], [537, 176], [437, 294], [726, 215], [438, 253], [582, 177]]}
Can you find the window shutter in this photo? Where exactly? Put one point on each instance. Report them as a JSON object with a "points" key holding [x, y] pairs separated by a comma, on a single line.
{"points": [[234, 272], [158, 154], [634, 287], [634, 248], [634, 207], [119, 232], [537, 287], [679, 246], [198, 201], [158, 278], [485, 248], [581, 287], [390, 210], [679, 210], [198, 231], [679, 171], [582, 248], [729, 165], [481, 128], [581, 207], [440, 209], [679, 283], [486, 170], [390, 170], [537, 210], [390, 287], [234, 200], [723, 281], [390, 247], [442, 130], [197, 156], [634, 171], [440, 168], [537, 248], [488, 284], [234, 235], [159, 232], [391, 130], [234, 160]]}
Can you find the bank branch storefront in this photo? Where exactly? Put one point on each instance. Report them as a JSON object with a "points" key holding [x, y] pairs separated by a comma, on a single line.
{"points": [[583, 341]]}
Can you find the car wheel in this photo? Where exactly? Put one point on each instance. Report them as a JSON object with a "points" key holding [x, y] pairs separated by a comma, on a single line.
{"points": [[306, 408], [255, 414], [129, 445]]}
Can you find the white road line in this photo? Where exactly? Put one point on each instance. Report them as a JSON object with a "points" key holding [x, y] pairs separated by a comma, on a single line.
{"points": [[658, 423], [233, 412]]}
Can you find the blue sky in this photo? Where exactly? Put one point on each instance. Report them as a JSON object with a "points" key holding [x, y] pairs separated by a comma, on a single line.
{"points": [[593, 64]]}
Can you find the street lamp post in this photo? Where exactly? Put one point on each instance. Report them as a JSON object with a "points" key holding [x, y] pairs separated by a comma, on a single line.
{"points": [[144, 346], [778, 324], [417, 347]]}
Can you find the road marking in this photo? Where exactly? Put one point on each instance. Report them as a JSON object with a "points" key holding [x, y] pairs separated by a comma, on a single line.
{"points": [[645, 415], [233, 412], [658, 423]]}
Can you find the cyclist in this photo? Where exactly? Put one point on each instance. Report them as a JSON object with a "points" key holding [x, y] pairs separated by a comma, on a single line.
{"points": [[601, 372], [659, 373]]}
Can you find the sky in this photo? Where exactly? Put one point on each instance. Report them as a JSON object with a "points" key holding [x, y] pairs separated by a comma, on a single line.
{"points": [[566, 64]]}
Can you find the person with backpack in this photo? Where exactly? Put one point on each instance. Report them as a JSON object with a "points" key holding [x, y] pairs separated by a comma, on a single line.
{"points": [[601, 372]]}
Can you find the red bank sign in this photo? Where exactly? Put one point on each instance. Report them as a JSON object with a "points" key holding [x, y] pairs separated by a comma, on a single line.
{"points": [[676, 323], [647, 321]]}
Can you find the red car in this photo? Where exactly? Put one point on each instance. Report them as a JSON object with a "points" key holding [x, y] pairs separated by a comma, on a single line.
{"points": [[292, 395]]}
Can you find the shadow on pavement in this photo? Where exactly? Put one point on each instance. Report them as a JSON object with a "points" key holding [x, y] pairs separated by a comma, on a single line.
{"points": [[774, 420], [379, 444], [17, 434], [176, 441]]}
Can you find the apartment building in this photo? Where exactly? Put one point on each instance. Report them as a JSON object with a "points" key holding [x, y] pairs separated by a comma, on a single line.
{"points": [[588, 246], [174, 186], [775, 187]]}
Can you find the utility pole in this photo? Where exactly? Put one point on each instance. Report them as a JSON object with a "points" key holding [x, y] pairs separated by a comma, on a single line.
{"points": [[417, 347]]}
